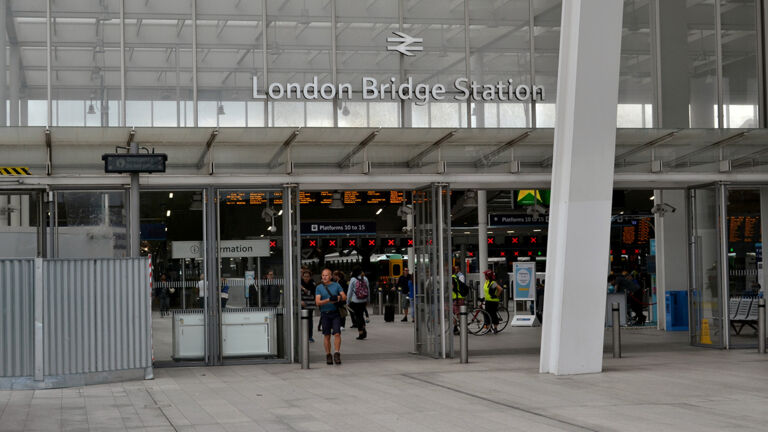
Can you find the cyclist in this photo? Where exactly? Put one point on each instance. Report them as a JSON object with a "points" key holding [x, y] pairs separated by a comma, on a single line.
{"points": [[492, 292], [457, 298]]}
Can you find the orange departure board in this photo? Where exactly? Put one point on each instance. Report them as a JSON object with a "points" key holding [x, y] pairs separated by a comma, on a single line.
{"points": [[743, 229], [371, 197], [628, 235], [352, 197], [307, 198], [375, 197], [326, 197], [644, 231]]}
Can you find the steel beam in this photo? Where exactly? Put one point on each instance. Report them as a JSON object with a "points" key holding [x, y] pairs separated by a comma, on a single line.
{"points": [[358, 148], [416, 160], [207, 149], [486, 159], [646, 146], [275, 161], [721, 143]]}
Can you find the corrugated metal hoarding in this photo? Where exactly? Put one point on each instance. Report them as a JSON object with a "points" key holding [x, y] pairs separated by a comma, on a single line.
{"points": [[95, 316]]}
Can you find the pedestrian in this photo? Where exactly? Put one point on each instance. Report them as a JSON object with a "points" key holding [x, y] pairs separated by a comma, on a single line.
{"points": [[457, 297], [308, 292], [328, 295], [340, 278], [270, 289], [492, 291], [403, 283], [163, 295], [224, 293], [357, 297]]}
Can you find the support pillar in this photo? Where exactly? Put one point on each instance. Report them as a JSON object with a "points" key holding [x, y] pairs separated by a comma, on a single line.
{"points": [[482, 232], [3, 63], [763, 281], [582, 187], [133, 208], [671, 240]]}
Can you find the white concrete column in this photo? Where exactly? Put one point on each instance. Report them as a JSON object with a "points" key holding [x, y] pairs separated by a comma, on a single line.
{"points": [[582, 187], [482, 231], [764, 229], [671, 236], [3, 64]]}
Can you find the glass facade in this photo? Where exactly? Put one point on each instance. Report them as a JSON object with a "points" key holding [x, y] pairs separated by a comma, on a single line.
{"points": [[194, 63]]}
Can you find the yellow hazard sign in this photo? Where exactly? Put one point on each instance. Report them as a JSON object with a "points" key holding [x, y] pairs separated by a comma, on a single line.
{"points": [[14, 171]]}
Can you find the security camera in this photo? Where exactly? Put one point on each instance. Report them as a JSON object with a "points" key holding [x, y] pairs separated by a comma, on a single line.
{"points": [[268, 213], [272, 228], [662, 209], [403, 211]]}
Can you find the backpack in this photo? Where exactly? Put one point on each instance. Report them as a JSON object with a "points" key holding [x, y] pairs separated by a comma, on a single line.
{"points": [[361, 289], [460, 287]]}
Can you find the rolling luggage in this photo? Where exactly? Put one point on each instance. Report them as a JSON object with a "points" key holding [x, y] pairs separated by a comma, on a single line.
{"points": [[389, 313]]}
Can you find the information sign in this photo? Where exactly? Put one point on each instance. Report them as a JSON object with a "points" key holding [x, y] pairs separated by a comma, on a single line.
{"points": [[501, 220], [227, 249], [250, 279], [524, 280]]}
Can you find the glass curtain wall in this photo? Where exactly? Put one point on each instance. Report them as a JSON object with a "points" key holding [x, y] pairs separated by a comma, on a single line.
{"points": [[85, 63], [299, 35], [229, 55], [500, 47], [158, 63], [338, 41], [19, 224], [91, 224]]}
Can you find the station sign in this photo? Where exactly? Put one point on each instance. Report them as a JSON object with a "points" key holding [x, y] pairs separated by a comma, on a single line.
{"points": [[502, 219], [227, 249], [331, 228]]}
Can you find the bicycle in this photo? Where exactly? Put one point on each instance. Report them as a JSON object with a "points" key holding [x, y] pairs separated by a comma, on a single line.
{"points": [[501, 313]]}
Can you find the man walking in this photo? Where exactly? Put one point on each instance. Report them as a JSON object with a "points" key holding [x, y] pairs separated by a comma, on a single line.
{"points": [[327, 295], [402, 286]]}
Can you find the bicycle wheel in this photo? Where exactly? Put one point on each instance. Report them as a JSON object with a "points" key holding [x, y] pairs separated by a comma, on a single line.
{"points": [[476, 322], [503, 315]]}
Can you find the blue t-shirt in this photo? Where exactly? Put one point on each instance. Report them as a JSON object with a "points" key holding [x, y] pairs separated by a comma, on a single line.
{"points": [[325, 292]]}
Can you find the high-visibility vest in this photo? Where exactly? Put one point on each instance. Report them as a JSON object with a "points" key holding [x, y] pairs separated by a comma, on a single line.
{"points": [[487, 290], [455, 281]]}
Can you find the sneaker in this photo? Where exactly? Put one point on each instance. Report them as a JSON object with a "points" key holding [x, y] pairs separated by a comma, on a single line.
{"points": [[404, 319], [342, 328], [367, 320], [311, 340], [328, 359], [336, 357]]}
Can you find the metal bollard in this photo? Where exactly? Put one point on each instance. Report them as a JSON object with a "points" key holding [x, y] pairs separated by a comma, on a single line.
{"points": [[463, 334], [399, 300], [506, 297], [616, 330], [381, 302], [305, 323], [761, 326]]}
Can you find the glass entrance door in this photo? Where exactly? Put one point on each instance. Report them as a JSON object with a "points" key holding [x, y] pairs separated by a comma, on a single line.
{"points": [[253, 276], [432, 258], [706, 241]]}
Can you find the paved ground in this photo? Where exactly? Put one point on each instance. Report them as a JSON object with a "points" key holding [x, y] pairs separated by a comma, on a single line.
{"points": [[661, 384]]}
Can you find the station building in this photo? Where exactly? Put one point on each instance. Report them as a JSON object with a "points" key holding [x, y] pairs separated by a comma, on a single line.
{"points": [[267, 136]]}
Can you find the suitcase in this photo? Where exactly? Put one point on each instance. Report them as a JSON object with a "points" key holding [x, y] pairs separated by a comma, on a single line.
{"points": [[389, 313]]}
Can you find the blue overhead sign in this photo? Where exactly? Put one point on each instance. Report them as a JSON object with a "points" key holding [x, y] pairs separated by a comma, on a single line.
{"points": [[328, 228], [500, 219]]}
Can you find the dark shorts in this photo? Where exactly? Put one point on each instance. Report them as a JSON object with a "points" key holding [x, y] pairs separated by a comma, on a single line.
{"points": [[331, 322]]}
